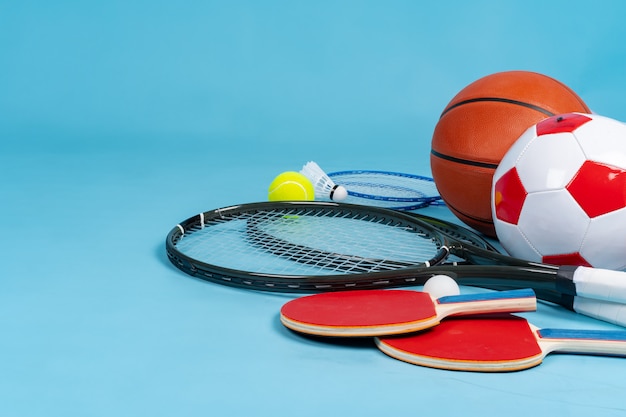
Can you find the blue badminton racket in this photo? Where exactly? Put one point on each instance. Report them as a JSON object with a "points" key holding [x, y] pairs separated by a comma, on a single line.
{"points": [[392, 190]]}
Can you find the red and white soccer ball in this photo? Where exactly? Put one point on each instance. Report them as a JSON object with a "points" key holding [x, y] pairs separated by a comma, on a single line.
{"points": [[559, 193]]}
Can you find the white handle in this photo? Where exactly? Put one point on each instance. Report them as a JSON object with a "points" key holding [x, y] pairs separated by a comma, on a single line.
{"points": [[603, 310], [601, 284]]}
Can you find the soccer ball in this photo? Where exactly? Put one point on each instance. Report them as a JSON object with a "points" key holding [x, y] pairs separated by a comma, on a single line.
{"points": [[559, 194]]}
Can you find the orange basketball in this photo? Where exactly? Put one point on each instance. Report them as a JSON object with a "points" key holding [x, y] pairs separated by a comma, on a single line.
{"points": [[477, 128]]}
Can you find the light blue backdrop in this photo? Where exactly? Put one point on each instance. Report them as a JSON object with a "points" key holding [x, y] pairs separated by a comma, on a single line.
{"points": [[119, 119]]}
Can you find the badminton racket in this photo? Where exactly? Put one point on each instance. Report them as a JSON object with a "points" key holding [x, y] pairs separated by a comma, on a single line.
{"points": [[326, 246], [393, 190]]}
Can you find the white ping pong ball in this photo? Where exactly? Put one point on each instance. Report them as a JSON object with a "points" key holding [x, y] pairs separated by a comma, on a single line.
{"points": [[440, 286]]}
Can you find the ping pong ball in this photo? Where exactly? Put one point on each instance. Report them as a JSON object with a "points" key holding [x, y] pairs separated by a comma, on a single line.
{"points": [[440, 286]]}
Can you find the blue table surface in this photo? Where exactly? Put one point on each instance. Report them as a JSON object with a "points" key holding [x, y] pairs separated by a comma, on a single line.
{"points": [[120, 119]]}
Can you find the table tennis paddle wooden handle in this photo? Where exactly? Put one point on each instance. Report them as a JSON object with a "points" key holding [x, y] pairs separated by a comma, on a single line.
{"points": [[488, 302]]}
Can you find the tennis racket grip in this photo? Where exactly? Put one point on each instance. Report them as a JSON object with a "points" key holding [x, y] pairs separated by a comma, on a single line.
{"points": [[602, 310], [597, 342], [600, 284], [489, 302]]}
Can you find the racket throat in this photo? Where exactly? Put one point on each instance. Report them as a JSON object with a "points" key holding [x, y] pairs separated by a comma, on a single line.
{"points": [[565, 279]]}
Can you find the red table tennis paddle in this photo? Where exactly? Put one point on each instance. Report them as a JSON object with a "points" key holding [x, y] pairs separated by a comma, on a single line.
{"points": [[387, 312], [496, 344]]}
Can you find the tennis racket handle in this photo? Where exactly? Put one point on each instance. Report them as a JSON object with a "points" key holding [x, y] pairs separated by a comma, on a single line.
{"points": [[602, 310], [488, 302], [600, 284]]}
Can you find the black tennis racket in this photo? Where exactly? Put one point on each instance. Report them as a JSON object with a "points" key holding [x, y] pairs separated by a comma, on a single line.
{"points": [[319, 246], [388, 189]]}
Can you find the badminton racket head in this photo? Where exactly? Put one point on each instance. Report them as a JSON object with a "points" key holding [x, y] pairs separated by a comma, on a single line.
{"points": [[393, 190]]}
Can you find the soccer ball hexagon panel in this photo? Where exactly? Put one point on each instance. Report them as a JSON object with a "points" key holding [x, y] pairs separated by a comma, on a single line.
{"points": [[559, 193]]}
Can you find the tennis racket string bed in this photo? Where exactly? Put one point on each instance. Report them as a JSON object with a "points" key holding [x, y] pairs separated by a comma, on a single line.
{"points": [[299, 246], [326, 246]]}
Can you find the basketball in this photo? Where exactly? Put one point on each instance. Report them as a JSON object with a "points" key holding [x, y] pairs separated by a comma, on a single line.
{"points": [[476, 129]]}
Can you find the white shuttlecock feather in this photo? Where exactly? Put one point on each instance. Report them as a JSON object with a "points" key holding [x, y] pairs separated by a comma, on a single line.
{"points": [[323, 185]]}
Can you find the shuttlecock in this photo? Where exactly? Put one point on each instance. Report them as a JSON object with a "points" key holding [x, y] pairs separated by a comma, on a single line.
{"points": [[323, 185]]}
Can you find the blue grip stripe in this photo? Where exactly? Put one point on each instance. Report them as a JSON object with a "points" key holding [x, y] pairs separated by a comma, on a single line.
{"points": [[487, 296], [615, 335]]}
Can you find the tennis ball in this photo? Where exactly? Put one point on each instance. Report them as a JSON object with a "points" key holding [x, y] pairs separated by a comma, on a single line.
{"points": [[291, 186]]}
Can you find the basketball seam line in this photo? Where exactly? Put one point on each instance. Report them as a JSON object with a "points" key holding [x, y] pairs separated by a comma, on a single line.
{"points": [[479, 220], [499, 100], [463, 161]]}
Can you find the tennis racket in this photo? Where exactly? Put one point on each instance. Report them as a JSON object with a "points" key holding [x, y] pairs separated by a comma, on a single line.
{"points": [[326, 246], [393, 190]]}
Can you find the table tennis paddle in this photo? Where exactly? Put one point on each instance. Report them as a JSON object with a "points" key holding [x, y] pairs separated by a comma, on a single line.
{"points": [[387, 312], [499, 343]]}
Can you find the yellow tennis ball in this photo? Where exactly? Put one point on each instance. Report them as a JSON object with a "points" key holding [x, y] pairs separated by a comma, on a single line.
{"points": [[291, 186]]}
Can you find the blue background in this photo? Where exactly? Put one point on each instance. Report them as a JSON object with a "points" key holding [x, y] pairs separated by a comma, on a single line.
{"points": [[119, 119]]}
